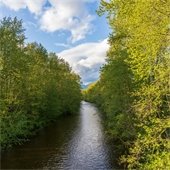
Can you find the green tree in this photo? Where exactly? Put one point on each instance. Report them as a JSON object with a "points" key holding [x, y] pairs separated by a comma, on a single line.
{"points": [[139, 49], [35, 87]]}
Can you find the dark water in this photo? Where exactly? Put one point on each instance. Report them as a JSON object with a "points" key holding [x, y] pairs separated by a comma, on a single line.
{"points": [[72, 142]]}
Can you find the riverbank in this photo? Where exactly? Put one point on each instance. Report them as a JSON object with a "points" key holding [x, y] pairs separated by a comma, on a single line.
{"points": [[27, 132]]}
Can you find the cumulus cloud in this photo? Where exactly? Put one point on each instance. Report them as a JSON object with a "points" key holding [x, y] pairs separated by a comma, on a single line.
{"points": [[86, 59], [68, 15], [34, 6]]}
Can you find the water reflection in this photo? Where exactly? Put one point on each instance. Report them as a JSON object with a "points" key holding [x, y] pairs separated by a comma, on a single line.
{"points": [[73, 142]]}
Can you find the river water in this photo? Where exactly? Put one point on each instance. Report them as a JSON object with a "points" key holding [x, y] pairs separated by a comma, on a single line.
{"points": [[72, 142]]}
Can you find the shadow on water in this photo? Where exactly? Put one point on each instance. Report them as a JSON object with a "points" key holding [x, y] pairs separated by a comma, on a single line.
{"points": [[72, 142]]}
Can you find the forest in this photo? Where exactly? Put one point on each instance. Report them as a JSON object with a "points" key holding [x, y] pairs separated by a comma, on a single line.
{"points": [[35, 86], [133, 89], [132, 93]]}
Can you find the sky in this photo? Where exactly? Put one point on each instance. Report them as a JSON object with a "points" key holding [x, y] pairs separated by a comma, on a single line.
{"points": [[70, 28]]}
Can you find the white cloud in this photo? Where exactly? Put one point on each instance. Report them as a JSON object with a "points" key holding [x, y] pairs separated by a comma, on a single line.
{"points": [[13, 4], [34, 6], [82, 28], [86, 59], [69, 15]]}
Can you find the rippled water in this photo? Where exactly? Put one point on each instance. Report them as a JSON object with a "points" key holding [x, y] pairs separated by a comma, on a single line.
{"points": [[72, 142]]}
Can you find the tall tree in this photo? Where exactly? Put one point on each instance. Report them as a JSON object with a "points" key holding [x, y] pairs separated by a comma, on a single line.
{"points": [[140, 43], [35, 87]]}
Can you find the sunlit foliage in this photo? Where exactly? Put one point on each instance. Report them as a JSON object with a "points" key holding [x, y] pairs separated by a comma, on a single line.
{"points": [[134, 84]]}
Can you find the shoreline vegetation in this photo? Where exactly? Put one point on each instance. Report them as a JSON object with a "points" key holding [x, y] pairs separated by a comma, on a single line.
{"points": [[35, 86], [133, 89]]}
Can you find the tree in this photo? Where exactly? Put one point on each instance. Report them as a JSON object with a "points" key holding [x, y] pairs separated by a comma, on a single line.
{"points": [[139, 48], [36, 87]]}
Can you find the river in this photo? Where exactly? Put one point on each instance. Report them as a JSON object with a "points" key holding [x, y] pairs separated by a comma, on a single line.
{"points": [[72, 142]]}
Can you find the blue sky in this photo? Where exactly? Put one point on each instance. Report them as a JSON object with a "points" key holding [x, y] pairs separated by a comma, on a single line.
{"points": [[71, 28]]}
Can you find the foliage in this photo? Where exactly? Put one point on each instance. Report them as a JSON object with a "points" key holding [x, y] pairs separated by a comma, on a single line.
{"points": [[134, 84], [36, 87]]}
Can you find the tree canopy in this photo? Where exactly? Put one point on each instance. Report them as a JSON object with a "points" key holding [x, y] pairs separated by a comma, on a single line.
{"points": [[35, 86], [134, 84]]}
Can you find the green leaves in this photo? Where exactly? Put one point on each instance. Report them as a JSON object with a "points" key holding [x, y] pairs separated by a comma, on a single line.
{"points": [[134, 84], [35, 87]]}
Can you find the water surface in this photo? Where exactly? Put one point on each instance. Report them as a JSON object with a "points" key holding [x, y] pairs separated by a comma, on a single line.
{"points": [[72, 142]]}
